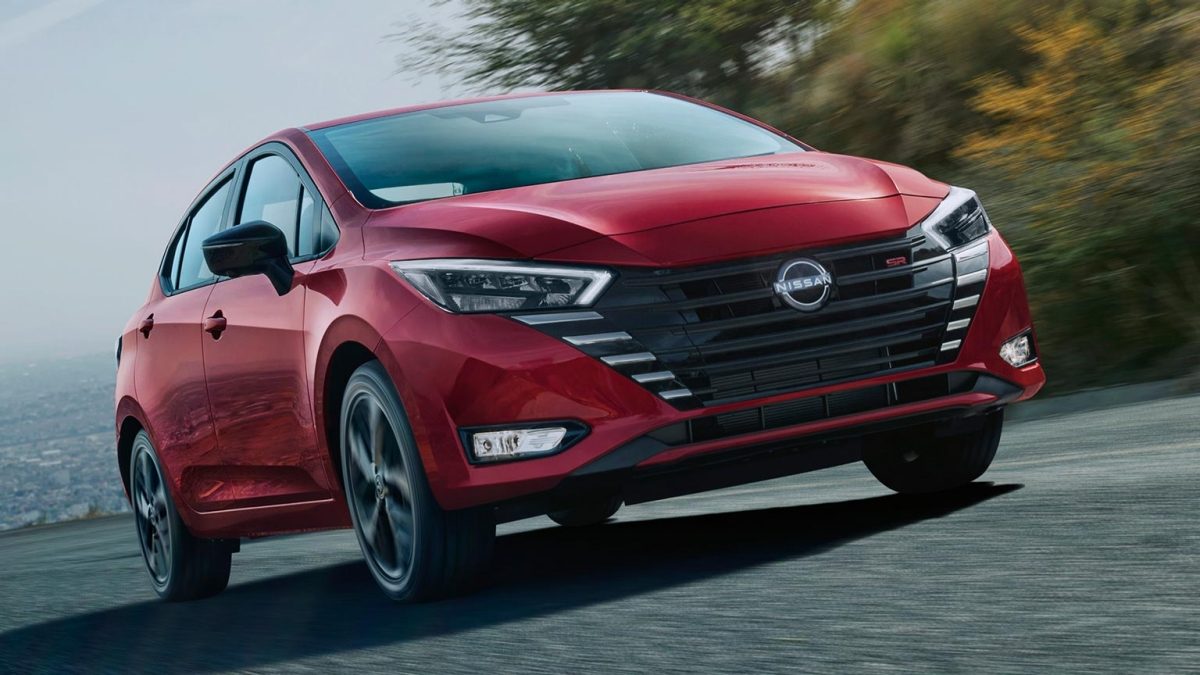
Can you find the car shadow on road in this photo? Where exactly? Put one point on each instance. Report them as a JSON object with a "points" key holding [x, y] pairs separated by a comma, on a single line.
{"points": [[536, 573]]}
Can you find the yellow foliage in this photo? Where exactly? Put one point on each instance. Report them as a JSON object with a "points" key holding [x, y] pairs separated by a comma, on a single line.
{"points": [[1094, 155], [1039, 115]]}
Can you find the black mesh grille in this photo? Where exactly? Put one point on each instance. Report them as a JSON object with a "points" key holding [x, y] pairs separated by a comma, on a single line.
{"points": [[726, 335], [720, 333]]}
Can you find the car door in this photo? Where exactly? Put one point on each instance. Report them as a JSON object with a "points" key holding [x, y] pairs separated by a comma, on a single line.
{"points": [[254, 354], [169, 372]]}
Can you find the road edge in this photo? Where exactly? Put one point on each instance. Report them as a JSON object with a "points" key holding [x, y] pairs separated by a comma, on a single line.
{"points": [[1100, 398]]}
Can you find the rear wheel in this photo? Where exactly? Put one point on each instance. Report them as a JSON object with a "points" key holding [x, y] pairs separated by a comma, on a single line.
{"points": [[414, 549], [587, 513], [181, 566], [920, 462]]}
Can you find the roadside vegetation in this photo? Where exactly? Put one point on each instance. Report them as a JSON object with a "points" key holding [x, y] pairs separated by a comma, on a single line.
{"points": [[1078, 123]]}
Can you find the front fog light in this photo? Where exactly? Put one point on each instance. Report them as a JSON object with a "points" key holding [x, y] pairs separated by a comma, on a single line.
{"points": [[1018, 351], [492, 446]]}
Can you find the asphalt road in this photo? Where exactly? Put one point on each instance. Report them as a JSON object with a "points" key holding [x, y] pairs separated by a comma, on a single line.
{"points": [[1082, 554]]}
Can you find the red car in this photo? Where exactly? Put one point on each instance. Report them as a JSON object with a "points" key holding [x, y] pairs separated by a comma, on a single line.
{"points": [[422, 322]]}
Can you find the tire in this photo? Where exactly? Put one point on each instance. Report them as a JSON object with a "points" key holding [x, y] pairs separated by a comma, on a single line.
{"points": [[587, 513], [181, 566], [415, 550], [919, 462]]}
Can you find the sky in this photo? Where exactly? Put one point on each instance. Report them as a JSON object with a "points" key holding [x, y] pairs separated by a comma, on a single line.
{"points": [[115, 113]]}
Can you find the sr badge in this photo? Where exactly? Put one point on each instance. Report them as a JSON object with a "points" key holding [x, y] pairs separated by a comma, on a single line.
{"points": [[804, 284]]}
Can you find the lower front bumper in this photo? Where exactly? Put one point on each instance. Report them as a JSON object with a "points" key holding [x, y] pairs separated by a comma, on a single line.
{"points": [[653, 467]]}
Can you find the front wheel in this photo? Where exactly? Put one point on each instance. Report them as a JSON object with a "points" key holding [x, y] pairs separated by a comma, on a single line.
{"points": [[181, 566], [919, 461], [414, 549]]}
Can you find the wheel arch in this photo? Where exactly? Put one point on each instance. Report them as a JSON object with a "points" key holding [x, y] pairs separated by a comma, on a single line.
{"points": [[347, 342], [127, 430], [343, 361], [130, 419]]}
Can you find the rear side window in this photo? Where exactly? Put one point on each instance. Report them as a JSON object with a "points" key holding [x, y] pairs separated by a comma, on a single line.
{"points": [[205, 221], [275, 194]]}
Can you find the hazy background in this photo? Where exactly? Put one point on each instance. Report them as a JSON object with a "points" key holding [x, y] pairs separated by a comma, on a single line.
{"points": [[1077, 122], [114, 113]]}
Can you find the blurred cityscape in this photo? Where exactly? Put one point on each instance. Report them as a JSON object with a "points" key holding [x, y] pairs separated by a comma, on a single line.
{"points": [[57, 457]]}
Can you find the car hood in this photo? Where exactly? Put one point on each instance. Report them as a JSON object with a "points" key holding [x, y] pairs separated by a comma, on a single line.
{"points": [[666, 216]]}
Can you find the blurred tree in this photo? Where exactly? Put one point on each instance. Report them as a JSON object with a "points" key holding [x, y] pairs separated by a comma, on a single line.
{"points": [[1095, 163], [710, 48], [892, 78]]}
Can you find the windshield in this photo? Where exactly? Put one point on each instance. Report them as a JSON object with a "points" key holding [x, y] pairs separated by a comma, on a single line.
{"points": [[477, 147]]}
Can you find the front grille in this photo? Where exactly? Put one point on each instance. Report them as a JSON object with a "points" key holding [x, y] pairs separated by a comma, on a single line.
{"points": [[814, 408], [719, 333]]}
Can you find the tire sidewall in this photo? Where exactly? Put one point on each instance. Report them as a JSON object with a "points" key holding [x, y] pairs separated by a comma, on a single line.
{"points": [[589, 513], [941, 464], [372, 380], [166, 589]]}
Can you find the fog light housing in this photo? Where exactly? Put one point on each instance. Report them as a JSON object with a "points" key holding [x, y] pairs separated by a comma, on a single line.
{"points": [[486, 446], [1019, 351]]}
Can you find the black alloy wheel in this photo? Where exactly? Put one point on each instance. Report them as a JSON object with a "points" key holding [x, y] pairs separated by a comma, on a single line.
{"points": [[181, 566], [415, 549]]}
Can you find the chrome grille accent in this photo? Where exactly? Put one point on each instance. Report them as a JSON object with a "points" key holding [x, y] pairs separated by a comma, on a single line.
{"points": [[626, 359], [963, 303], [557, 317], [660, 376], [970, 270], [978, 275], [597, 338]]}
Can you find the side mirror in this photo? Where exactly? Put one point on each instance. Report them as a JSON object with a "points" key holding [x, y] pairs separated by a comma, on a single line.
{"points": [[256, 247]]}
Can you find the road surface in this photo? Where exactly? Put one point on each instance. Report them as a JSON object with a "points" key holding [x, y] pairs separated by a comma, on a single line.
{"points": [[1081, 554]]}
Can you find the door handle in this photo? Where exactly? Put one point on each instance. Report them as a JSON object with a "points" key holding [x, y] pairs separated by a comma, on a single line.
{"points": [[215, 325], [146, 326]]}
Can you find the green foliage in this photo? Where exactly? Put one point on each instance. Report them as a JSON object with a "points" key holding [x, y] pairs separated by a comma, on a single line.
{"points": [[1094, 162], [892, 79], [1078, 123], [709, 48]]}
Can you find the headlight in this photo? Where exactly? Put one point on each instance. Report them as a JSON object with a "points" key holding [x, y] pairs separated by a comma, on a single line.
{"points": [[958, 220], [499, 286]]}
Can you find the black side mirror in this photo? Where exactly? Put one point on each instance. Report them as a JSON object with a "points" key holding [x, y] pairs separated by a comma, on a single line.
{"points": [[256, 247]]}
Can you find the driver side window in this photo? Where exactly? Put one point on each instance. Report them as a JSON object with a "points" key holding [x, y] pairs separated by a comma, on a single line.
{"points": [[275, 194]]}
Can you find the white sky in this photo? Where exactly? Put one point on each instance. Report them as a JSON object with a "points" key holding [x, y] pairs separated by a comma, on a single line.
{"points": [[114, 113]]}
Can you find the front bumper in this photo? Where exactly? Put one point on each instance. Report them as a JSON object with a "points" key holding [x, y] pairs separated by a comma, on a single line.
{"points": [[461, 371]]}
